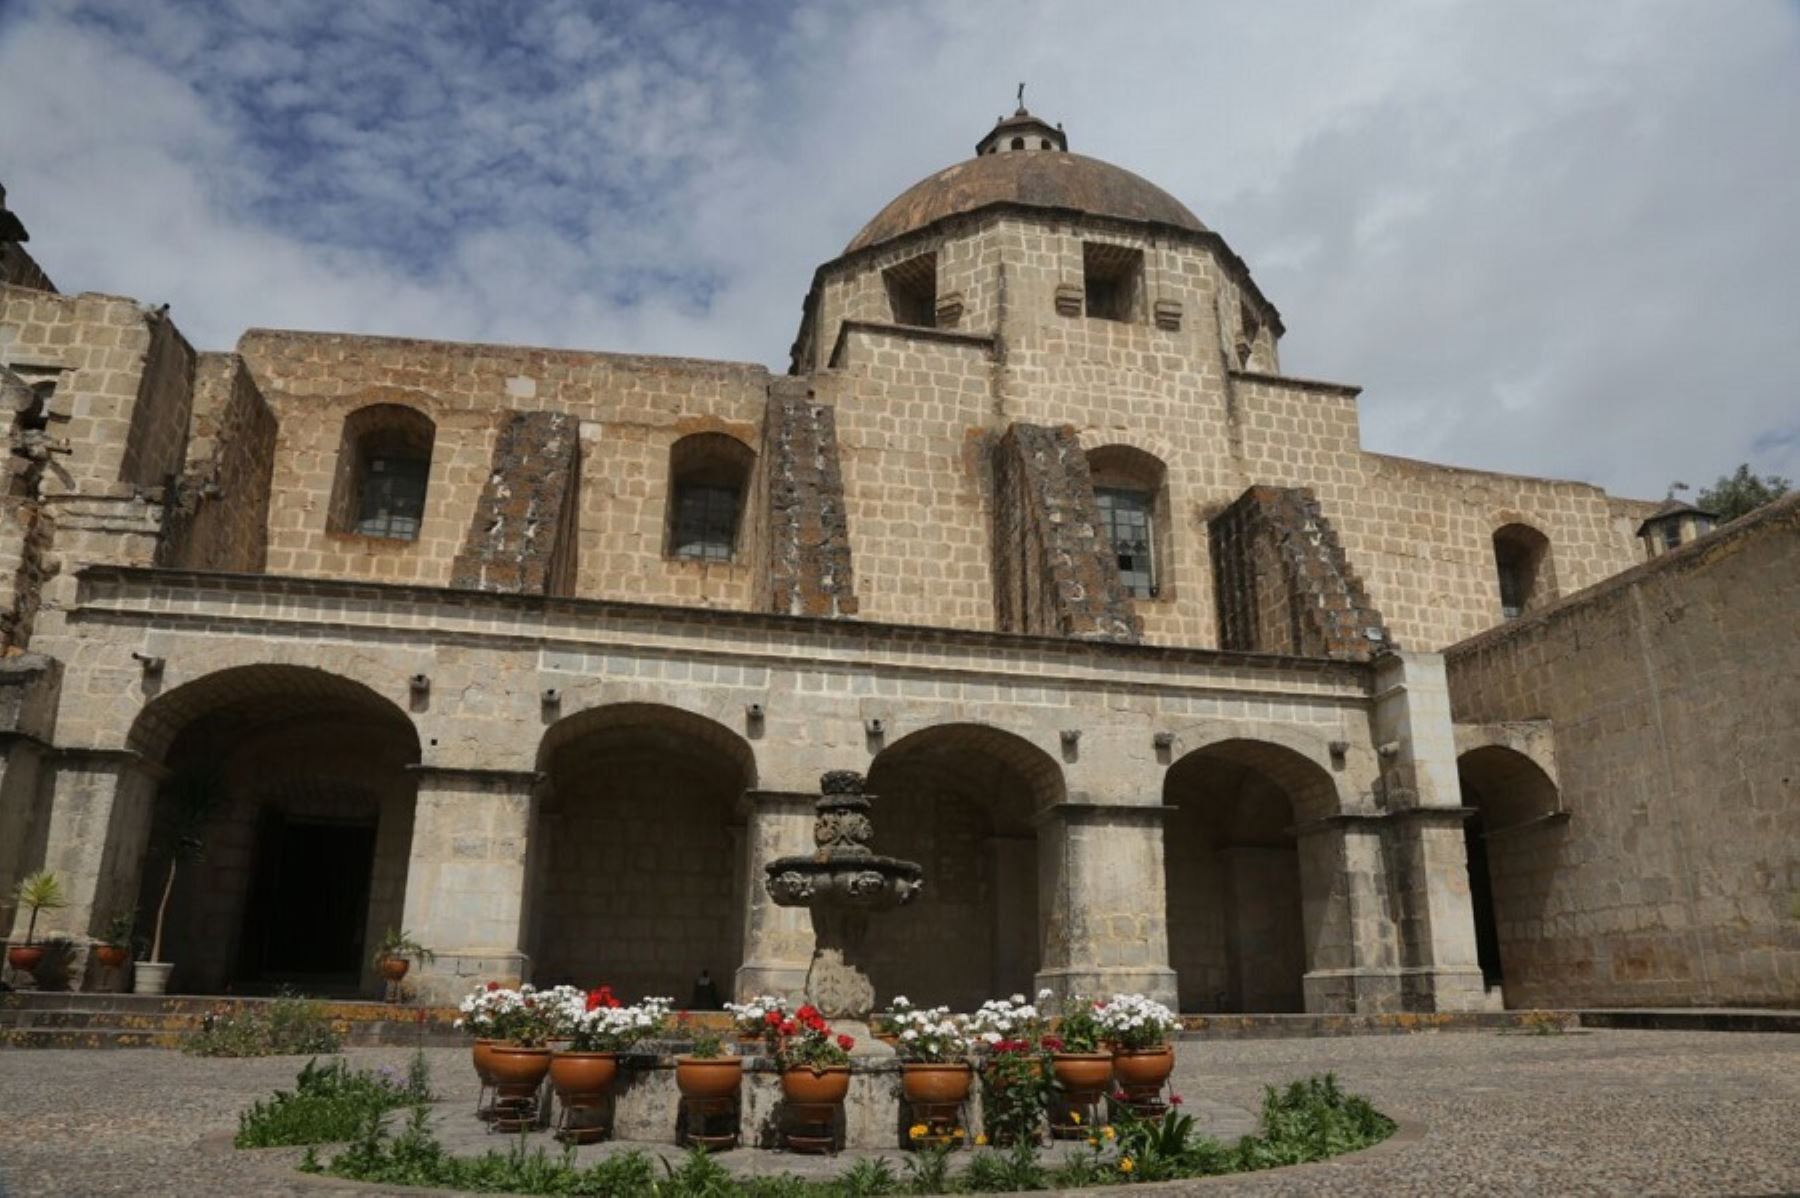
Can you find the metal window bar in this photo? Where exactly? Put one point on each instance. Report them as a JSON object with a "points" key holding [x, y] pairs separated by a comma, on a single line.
{"points": [[705, 523], [1125, 516], [391, 502]]}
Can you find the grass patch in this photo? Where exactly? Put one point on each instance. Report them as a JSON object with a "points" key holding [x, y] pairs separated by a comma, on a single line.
{"points": [[1307, 1120], [332, 1102], [289, 1025]]}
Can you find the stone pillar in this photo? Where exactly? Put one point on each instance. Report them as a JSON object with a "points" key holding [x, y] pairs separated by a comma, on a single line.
{"points": [[29, 687], [96, 833], [1428, 867], [1103, 909], [467, 877], [1351, 963], [778, 941]]}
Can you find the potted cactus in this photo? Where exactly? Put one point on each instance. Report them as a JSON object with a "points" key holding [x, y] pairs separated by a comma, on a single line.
{"points": [[41, 891]]}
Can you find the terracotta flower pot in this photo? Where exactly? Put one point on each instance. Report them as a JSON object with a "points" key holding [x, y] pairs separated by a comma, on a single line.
{"points": [[111, 956], [945, 1083], [25, 957], [394, 968], [482, 1055], [583, 1074], [1141, 1072], [1083, 1074], [890, 1039], [708, 1077], [518, 1071], [822, 1086]]}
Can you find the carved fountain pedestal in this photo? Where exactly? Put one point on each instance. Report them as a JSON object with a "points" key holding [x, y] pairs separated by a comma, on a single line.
{"points": [[843, 882]]}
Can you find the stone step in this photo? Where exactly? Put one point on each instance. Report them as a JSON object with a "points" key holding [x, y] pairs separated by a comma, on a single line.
{"points": [[123, 1020], [88, 1037]]}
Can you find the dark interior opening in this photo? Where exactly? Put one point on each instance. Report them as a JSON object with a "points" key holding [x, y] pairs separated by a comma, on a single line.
{"points": [[306, 918], [1481, 897]]}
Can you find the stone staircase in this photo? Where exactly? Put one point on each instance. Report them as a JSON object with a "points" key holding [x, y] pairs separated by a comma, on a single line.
{"points": [[55, 1019]]}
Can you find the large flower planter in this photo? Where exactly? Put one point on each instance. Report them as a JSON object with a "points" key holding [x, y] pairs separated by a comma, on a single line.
{"points": [[1141, 1072], [1083, 1075], [583, 1076], [816, 1087], [946, 1084], [518, 1072], [481, 1055], [708, 1077]]}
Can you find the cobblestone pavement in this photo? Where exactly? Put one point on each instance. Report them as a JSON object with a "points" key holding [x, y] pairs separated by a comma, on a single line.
{"points": [[1584, 1113]]}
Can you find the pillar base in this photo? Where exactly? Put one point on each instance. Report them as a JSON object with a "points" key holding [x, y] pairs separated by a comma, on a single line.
{"points": [[1105, 981], [455, 972], [780, 978], [1444, 990]]}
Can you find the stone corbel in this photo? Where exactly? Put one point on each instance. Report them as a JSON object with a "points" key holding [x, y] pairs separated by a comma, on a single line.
{"points": [[950, 310], [1168, 314], [1070, 299]]}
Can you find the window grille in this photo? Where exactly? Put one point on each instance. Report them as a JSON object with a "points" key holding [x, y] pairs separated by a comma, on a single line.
{"points": [[705, 522], [392, 499], [1126, 520]]}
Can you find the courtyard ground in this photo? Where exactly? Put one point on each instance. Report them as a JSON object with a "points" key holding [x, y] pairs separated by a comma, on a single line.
{"points": [[1595, 1112]]}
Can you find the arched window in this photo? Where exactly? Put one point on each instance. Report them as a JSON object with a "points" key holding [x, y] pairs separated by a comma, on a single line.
{"points": [[1018, 143], [1522, 562], [384, 462], [1129, 490], [709, 475]]}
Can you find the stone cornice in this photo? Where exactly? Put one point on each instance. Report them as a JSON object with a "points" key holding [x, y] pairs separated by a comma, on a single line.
{"points": [[1295, 384], [149, 596]]}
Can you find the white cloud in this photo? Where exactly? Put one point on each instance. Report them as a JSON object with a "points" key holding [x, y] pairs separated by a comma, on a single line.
{"points": [[1545, 237]]}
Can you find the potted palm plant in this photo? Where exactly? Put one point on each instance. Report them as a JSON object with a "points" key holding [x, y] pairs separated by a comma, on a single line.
{"points": [[193, 799], [41, 891], [396, 953]]}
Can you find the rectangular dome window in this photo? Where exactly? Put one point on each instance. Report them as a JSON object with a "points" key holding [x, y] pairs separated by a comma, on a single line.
{"points": [[912, 291], [1112, 278]]}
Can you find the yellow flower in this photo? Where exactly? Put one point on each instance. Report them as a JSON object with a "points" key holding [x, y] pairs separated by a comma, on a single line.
{"points": [[959, 1133], [1108, 1132], [917, 1130], [1093, 1141], [981, 1140], [1076, 1116], [1125, 1166]]}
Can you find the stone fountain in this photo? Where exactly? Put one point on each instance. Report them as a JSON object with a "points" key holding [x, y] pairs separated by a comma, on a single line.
{"points": [[843, 882]]}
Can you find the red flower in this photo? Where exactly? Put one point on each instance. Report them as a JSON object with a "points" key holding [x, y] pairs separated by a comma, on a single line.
{"points": [[846, 1042], [773, 1019], [493, 986], [1053, 1043], [789, 1027], [808, 1013], [1174, 1100]]}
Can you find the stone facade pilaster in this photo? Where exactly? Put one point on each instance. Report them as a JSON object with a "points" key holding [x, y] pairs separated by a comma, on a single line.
{"points": [[1428, 866], [1105, 923], [1351, 955], [466, 881], [778, 941]]}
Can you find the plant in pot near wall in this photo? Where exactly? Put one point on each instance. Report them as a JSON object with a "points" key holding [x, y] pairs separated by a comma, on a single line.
{"points": [[886, 1024], [1081, 1061], [707, 1070], [396, 953], [814, 1063], [1140, 1032], [1015, 1088], [114, 948], [37, 892], [935, 1072], [595, 1028], [758, 1021], [190, 801], [520, 1023]]}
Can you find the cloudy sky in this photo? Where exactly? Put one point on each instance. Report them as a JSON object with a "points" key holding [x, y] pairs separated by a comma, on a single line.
{"points": [[1548, 238]]}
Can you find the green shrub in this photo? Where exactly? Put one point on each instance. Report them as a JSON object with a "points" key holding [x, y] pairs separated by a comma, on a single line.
{"points": [[330, 1102], [290, 1025]]}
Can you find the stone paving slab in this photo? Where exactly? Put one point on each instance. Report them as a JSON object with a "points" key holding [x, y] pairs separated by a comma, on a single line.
{"points": [[1589, 1112]]}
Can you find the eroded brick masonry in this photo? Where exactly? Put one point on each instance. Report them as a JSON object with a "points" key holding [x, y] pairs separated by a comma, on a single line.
{"points": [[1171, 686]]}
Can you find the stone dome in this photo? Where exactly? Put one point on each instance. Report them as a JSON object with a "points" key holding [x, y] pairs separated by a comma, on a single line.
{"points": [[1023, 162]]}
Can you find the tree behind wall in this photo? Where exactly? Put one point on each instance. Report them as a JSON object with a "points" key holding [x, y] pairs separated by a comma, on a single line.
{"points": [[1733, 495]]}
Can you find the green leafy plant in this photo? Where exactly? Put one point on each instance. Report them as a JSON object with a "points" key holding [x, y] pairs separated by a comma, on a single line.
{"points": [[120, 929], [706, 1044], [401, 944], [1079, 1028], [928, 1169], [287, 1025], [330, 1102], [37, 892], [192, 800], [806, 1041], [1309, 1120], [1015, 1092], [869, 1179]]}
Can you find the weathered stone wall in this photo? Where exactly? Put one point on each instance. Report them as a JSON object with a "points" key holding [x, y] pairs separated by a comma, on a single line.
{"points": [[219, 518], [1284, 584], [798, 504], [29, 686], [515, 534], [26, 536], [156, 442], [1671, 688], [19, 269], [1054, 572], [630, 410]]}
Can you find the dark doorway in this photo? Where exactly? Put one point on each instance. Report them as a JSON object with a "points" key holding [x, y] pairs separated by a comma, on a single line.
{"points": [[306, 920], [1481, 897]]}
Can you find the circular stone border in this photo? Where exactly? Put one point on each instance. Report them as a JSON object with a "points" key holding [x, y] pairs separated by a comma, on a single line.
{"points": [[1407, 1132]]}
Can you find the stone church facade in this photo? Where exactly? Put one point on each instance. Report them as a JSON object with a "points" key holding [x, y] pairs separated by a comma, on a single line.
{"points": [[1169, 684]]}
